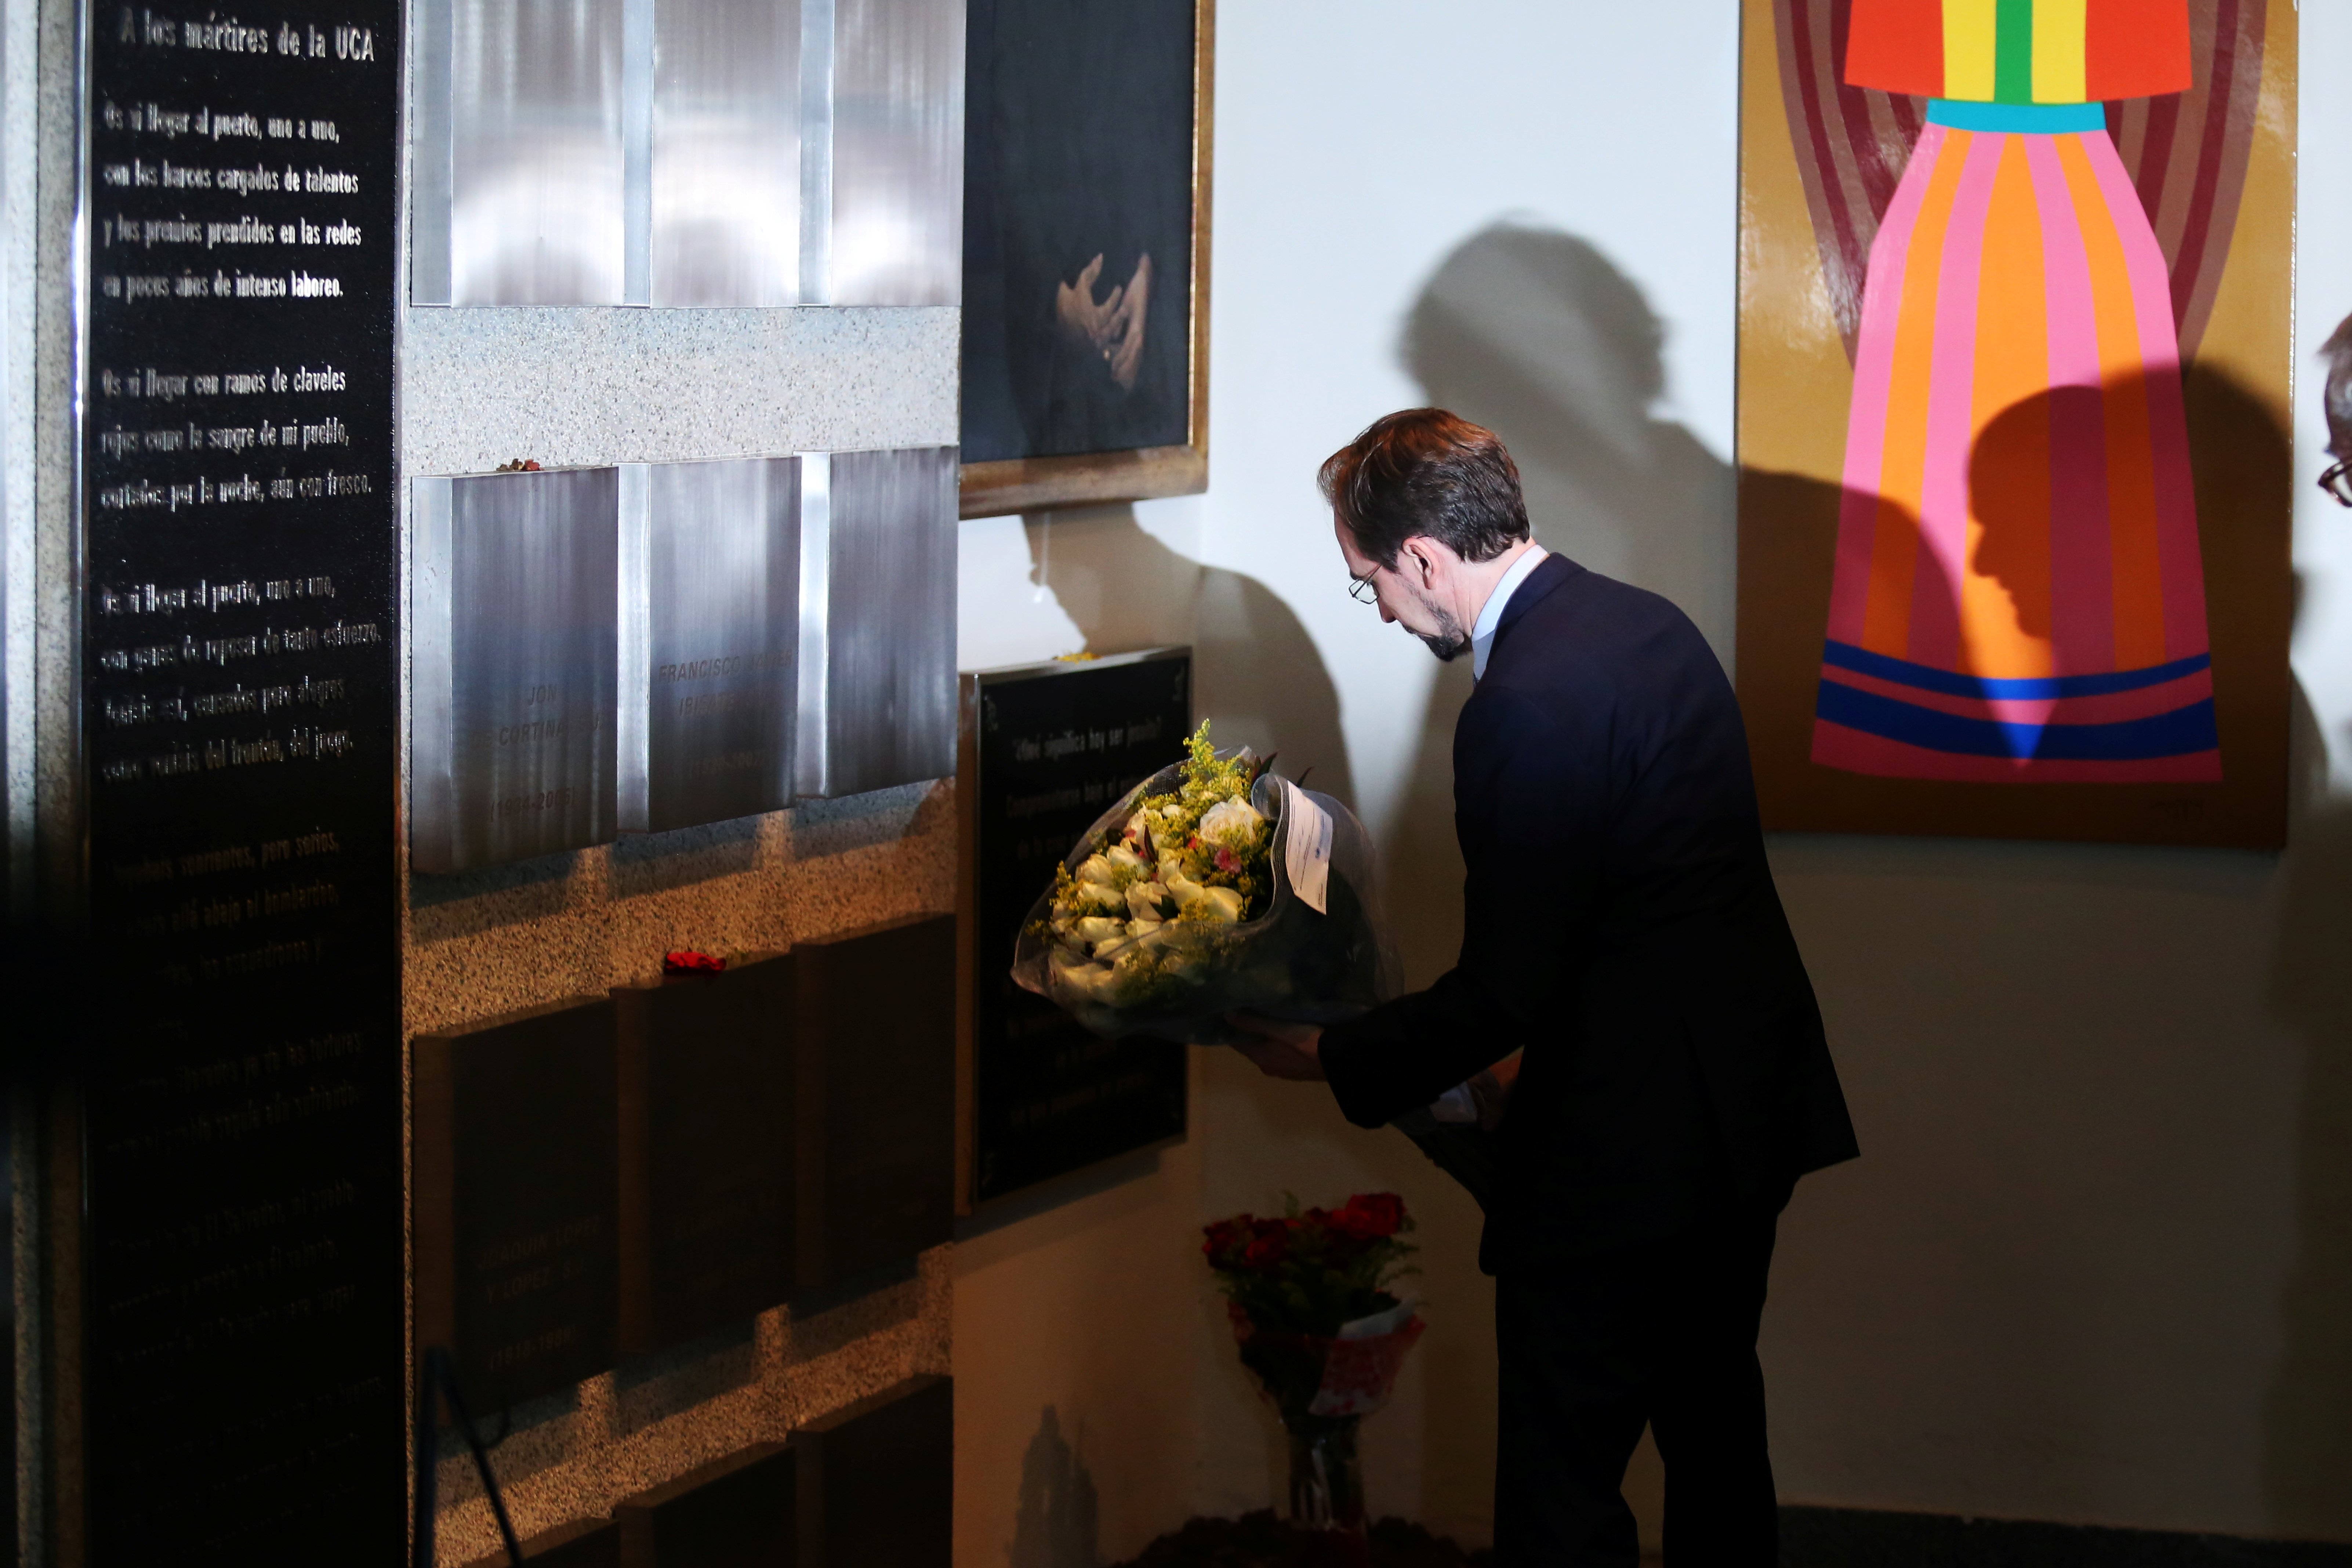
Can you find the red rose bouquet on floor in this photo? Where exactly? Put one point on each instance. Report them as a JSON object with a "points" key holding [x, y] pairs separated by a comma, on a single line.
{"points": [[1309, 1296]]}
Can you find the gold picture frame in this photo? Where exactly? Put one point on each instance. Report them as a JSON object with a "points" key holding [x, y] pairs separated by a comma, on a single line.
{"points": [[1038, 484]]}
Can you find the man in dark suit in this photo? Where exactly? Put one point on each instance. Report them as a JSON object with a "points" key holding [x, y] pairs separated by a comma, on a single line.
{"points": [[1620, 926]]}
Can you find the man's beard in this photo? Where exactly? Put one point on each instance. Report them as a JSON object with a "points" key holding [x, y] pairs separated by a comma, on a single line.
{"points": [[1449, 641]]}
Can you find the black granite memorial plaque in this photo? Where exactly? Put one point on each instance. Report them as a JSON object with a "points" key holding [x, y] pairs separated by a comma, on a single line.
{"points": [[876, 1481], [877, 1025], [1047, 749], [243, 1375], [740, 1511], [516, 1199], [707, 1148]]}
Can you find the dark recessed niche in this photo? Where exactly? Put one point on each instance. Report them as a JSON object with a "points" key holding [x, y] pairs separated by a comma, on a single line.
{"points": [[877, 1479], [583, 1543], [741, 1511], [878, 1052], [707, 1149], [517, 1198]]}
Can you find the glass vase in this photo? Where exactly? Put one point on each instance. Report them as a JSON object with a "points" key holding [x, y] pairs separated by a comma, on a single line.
{"points": [[1327, 1488]]}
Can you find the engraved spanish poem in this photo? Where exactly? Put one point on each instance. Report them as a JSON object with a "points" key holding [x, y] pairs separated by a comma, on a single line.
{"points": [[244, 1329]]}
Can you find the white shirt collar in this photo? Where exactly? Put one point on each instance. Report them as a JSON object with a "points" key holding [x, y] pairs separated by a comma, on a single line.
{"points": [[1490, 620]]}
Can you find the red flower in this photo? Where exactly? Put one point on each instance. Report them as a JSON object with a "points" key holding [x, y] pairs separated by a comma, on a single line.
{"points": [[1370, 1216], [1227, 860], [686, 961], [1223, 1236], [1269, 1244]]}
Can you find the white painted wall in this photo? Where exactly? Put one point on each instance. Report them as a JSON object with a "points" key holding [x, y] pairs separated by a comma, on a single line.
{"points": [[2096, 1262]]}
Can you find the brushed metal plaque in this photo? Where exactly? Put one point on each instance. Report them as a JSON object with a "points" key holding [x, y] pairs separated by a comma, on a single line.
{"points": [[516, 605], [878, 676], [712, 592], [524, 166], [727, 153], [897, 153]]}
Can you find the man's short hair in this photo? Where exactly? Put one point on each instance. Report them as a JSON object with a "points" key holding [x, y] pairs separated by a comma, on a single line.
{"points": [[1425, 472]]}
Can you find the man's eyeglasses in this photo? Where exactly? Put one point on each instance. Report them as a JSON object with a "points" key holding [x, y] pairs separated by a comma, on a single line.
{"points": [[2337, 481], [1362, 590]]}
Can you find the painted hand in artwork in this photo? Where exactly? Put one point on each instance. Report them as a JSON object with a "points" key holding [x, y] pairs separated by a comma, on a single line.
{"points": [[1112, 327]]}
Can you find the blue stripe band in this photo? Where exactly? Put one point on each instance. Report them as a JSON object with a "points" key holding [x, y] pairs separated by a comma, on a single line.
{"points": [[1944, 683], [2022, 119], [2184, 732]]}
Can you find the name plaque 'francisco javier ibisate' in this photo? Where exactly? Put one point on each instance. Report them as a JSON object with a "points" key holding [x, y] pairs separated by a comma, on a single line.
{"points": [[242, 1344]]}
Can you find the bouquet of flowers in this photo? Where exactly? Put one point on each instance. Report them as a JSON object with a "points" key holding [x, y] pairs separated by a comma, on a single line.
{"points": [[1308, 1295], [1214, 885]]}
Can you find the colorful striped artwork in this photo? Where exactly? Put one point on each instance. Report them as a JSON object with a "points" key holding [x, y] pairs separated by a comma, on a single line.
{"points": [[2018, 592], [2020, 51], [2016, 478], [2185, 150]]}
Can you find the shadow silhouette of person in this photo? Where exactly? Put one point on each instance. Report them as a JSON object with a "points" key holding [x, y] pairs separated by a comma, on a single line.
{"points": [[1537, 335], [1257, 674]]}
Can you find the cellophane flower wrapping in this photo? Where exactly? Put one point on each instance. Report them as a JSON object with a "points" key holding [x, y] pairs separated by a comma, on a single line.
{"points": [[1312, 1301], [1254, 945]]}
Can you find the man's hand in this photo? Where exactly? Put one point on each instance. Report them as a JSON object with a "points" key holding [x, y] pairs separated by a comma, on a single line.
{"points": [[1280, 1050]]}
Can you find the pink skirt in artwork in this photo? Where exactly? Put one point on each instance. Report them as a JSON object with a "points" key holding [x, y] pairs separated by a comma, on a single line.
{"points": [[2019, 594]]}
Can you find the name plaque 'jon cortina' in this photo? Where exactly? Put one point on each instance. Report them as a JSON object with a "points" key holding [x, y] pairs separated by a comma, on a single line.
{"points": [[243, 1382]]}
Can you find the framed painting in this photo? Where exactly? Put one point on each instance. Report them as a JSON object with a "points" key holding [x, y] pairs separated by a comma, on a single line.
{"points": [[2015, 298], [1086, 292]]}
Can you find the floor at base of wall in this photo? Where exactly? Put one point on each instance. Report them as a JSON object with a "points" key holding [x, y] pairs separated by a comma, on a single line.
{"points": [[1860, 1538]]}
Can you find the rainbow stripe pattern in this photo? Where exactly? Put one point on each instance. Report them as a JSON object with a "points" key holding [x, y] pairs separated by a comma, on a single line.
{"points": [[2020, 51], [2019, 591]]}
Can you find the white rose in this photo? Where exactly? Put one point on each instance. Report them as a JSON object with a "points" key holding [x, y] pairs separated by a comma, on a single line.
{"points": [[1222, 903], [1144, 900], [1124, 858], [1099, 897], [1075, 976], [1096, 929], [1181, 887], [1231, 822], [1142, 927], [1095, 868]]}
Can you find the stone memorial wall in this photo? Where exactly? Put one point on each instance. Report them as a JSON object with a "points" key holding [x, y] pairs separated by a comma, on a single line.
{"points": [[398, 774], [710, 421]]}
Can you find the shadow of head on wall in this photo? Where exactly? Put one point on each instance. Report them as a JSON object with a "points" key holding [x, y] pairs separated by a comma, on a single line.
{"points": [[1537, 335], [1056, 1524], [1256, 673]]}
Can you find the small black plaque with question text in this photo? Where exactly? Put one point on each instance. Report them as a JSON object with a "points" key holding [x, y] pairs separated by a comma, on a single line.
{"points": [[244, 1374], [1053, 747]]}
